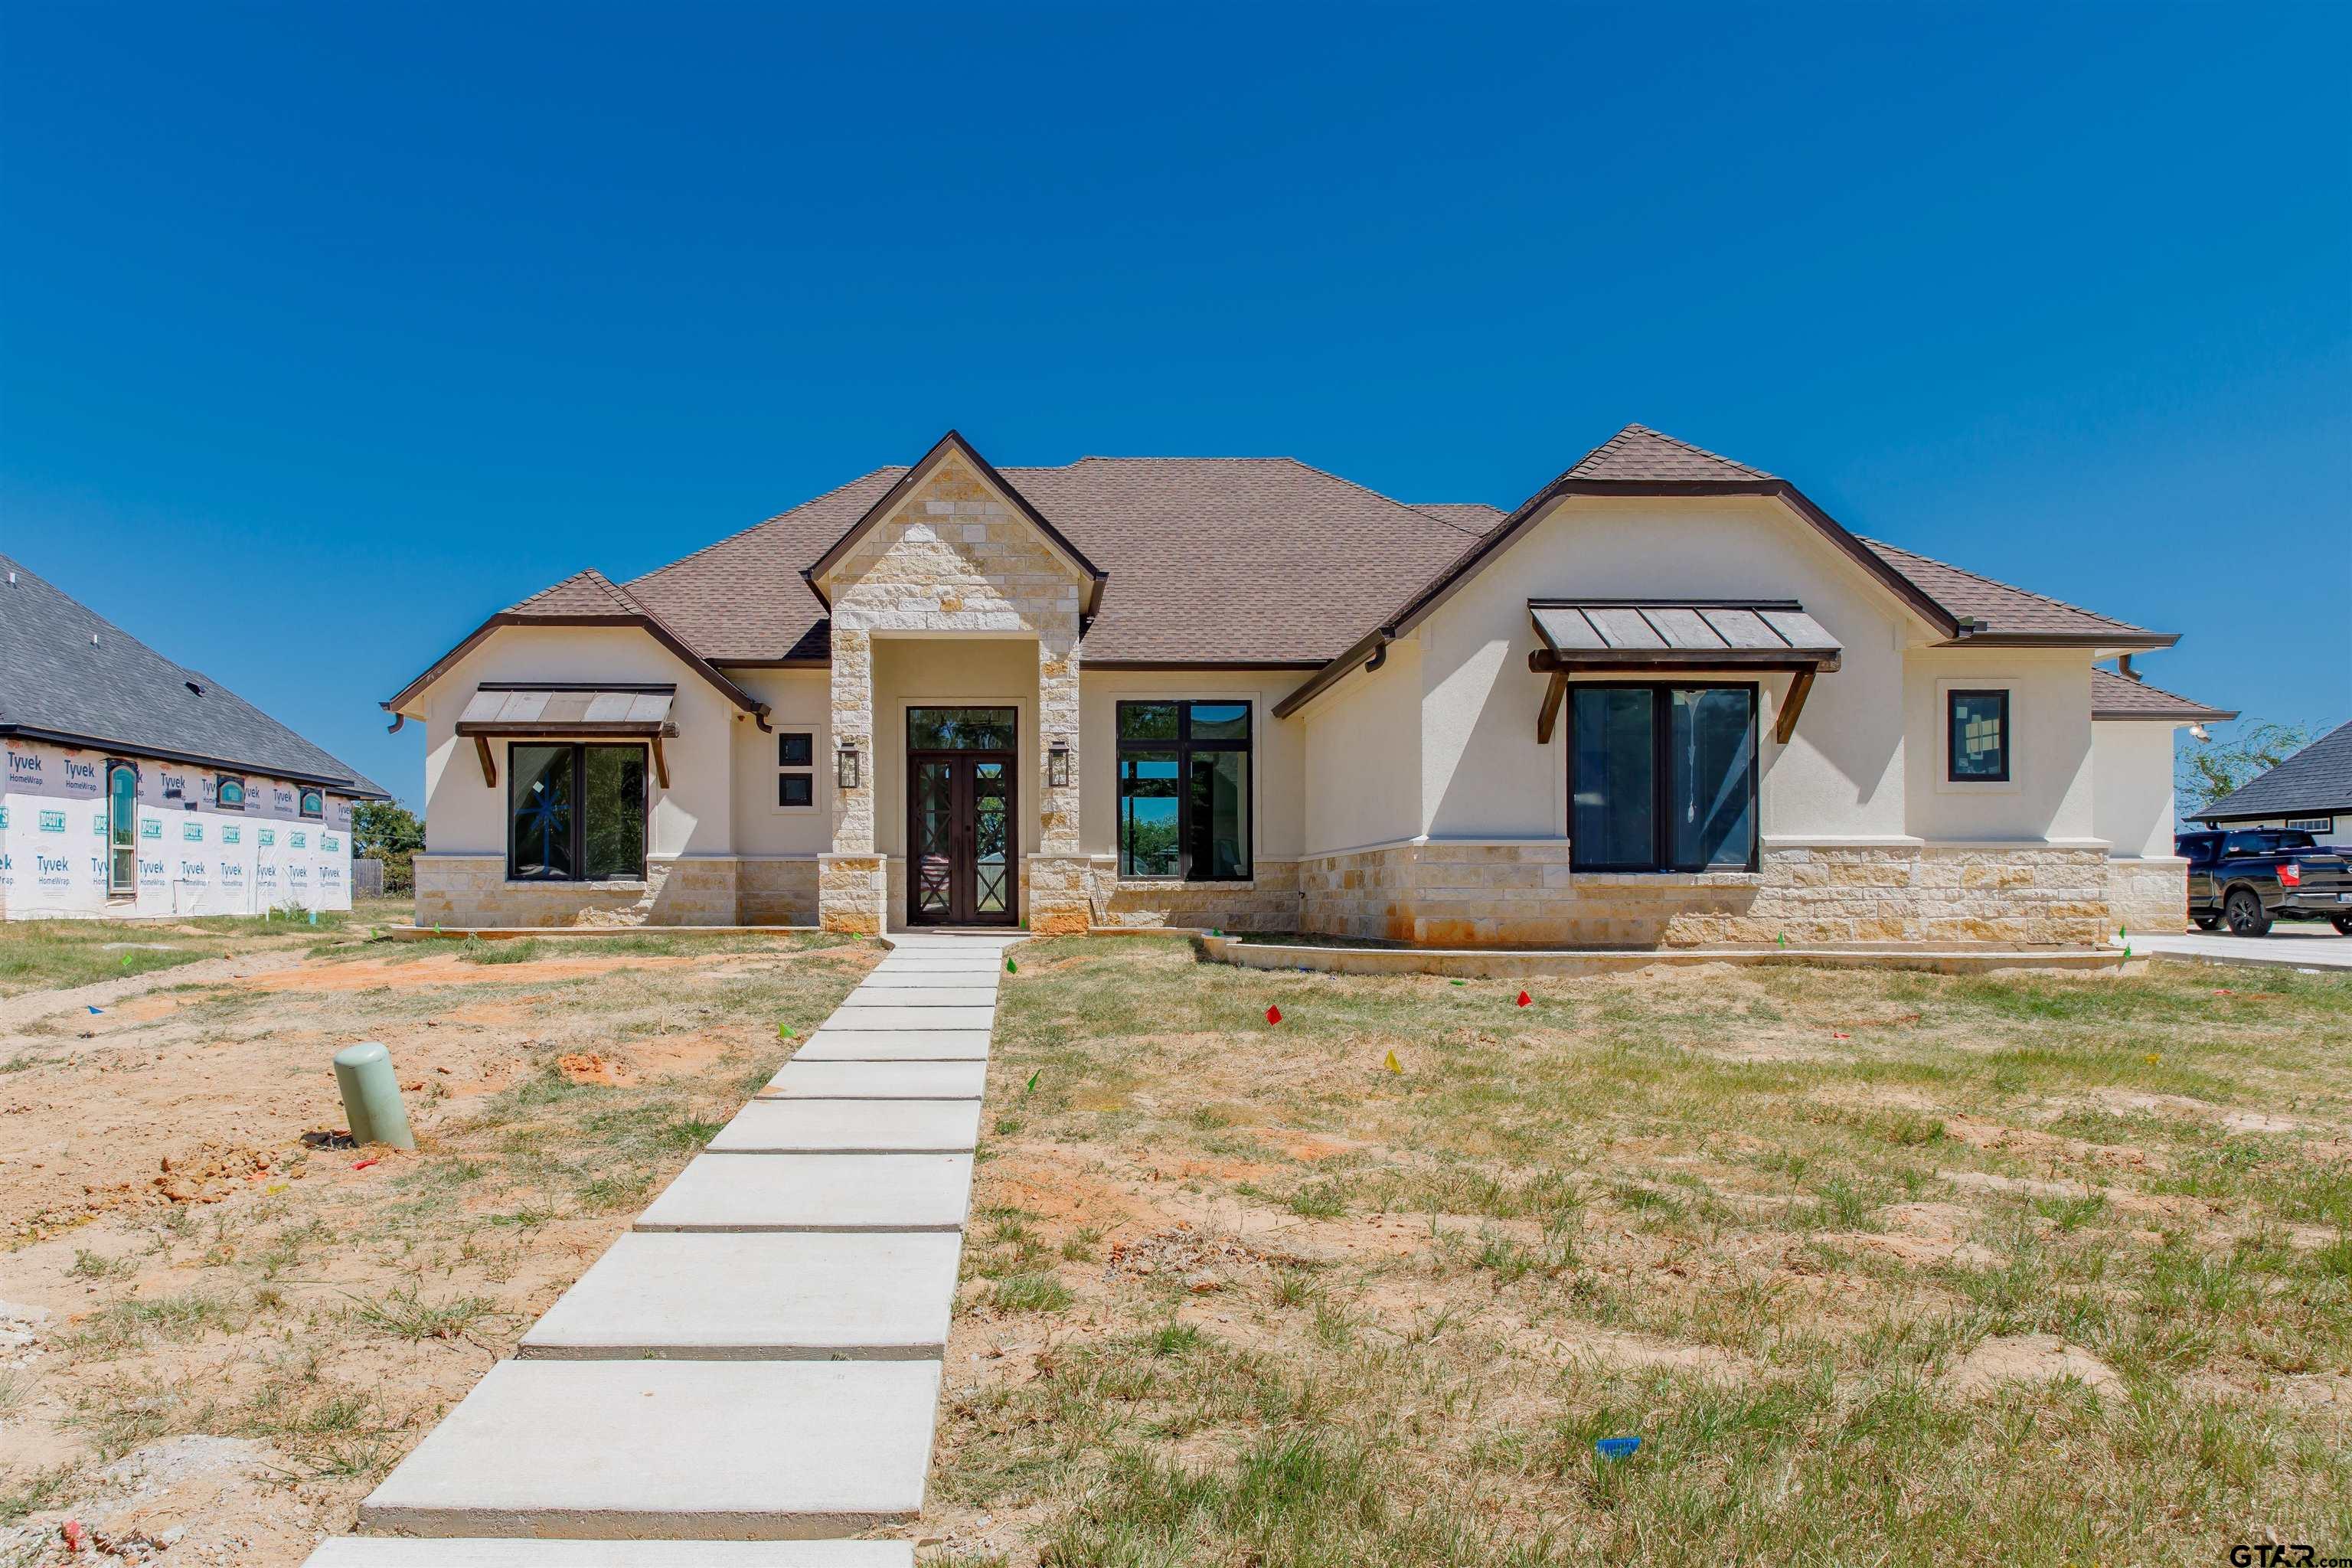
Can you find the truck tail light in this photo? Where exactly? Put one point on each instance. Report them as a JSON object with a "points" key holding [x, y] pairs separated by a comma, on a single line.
{"points": [[2290, 875]]}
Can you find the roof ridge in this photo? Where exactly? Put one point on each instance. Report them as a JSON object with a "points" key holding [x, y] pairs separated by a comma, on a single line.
{"points": [[778, 517], [1640, 431], [1367, 489], [1881, 545]]}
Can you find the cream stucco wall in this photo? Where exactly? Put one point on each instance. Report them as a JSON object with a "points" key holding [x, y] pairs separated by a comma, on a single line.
{"points": [[1483, 774], [2131, 797], [2049, 792], [1362, 741], [963, 671], [797, 699], [693, 816]]}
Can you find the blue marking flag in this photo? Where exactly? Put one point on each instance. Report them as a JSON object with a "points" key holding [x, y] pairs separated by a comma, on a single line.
{"points": [[1616, 1448]]}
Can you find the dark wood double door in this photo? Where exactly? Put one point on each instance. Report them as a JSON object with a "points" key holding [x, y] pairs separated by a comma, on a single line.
{"points": [[960, 834]]}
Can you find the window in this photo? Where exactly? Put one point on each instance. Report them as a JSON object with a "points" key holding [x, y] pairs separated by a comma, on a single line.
{"points": [[1185, 791], [2313, 823], [1977, 751], [575, 813], [229, 793], [1662, 778], [314, 802], [2264, 841], [962, 729], [122, 824], [796, 763]]}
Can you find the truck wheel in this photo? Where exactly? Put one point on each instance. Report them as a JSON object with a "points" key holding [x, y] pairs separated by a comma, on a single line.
{"points": [[2343, 924], [2207, 922], [2244, 912]]}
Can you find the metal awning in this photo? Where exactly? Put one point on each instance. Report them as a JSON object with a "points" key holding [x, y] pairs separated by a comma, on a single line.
{"points": [[565, 710], [1626, 635]]}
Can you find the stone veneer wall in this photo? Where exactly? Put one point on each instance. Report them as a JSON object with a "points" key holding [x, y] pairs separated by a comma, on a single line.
{"points": [[472, 892], [1269, 901], [2149, 895], [775, 891], [1526, 894], [955, 557]]}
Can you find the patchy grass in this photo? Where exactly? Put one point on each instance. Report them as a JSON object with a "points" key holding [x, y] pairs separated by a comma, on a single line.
{"points": [[1880, 1267], [50, 955]]}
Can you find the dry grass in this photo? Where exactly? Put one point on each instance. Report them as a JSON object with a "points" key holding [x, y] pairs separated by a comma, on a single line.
{"points": [[1880, 1267], [50, 955], [316, 1310]]}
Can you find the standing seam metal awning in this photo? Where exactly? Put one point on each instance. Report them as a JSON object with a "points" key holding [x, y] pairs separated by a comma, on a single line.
{"points": [[567, 712], [1626, 635]]}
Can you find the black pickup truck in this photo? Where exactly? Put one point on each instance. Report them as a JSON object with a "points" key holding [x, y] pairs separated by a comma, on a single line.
{"points": [[2250, 877]]}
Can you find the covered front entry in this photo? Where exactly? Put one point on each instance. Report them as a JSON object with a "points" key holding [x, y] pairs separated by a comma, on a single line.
{"points": [[962, 815]]}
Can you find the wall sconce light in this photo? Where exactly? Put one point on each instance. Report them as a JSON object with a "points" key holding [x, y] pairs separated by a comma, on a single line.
{"points": [[845, 765], [1057, 763]]}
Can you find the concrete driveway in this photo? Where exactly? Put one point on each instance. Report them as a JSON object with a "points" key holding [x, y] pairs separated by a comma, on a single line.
{"points": [[2293, 946]]}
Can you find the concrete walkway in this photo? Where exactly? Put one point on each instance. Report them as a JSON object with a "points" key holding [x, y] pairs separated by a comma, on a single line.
{"points": [[758, 1361], [2301, 945]]}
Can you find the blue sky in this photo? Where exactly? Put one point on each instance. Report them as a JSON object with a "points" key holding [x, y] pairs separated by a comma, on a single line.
{"points": [[325, 332]]}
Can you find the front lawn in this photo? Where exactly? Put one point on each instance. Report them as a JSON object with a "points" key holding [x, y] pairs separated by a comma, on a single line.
{"points": [[57, 955], [1879, 1266]]}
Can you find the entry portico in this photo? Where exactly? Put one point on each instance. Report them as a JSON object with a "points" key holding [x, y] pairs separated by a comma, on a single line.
{"points": [[955, 606]]}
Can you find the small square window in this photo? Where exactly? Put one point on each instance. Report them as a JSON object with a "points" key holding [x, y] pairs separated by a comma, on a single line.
{"points": [[1979, 736], [796, 789], [795, 749], [229, 794], [314, 802]]}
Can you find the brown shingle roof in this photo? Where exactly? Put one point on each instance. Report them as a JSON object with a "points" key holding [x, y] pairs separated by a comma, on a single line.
{"points": [[2005, 611], [1228, 560], [2117, 696]]}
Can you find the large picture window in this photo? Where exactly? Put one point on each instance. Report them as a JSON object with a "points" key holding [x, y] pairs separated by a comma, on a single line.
{"points": [[575, 813], [1662, 778], [1976, 737], [1185, 791]]}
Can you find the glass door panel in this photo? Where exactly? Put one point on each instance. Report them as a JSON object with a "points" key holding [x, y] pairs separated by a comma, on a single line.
{"points": [[992, 825], [123, 829], [933, 840]]}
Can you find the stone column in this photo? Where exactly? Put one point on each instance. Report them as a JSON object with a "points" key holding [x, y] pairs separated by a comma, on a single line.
{"points": [[852, 883], [1059, 894]]}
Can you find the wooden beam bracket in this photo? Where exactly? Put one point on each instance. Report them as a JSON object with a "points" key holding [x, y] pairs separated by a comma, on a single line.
{"points": [[1800, 686], [1555, 692], [489, 764], [661, 764]]}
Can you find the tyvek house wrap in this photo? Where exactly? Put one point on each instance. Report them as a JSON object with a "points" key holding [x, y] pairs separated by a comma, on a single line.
{"points": [[192, 857]]}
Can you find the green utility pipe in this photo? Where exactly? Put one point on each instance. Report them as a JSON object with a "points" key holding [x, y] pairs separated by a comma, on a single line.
{"points": [[372, 1096]]}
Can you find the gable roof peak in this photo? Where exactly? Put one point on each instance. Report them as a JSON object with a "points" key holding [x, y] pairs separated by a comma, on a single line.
{"points": [[1640, 454]]}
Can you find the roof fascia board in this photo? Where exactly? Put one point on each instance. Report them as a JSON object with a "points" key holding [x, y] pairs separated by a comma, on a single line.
{"points": [[2148, 643], [1532, 510], [340, 785], [953, 443], [649, 625], [2178, 716]]}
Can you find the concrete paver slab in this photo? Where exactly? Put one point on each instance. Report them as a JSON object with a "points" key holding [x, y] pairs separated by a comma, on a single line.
{"points": [[815, 1191], [769, 1295], [680, 1449], [879, 990], [393, 1552], [938, 1045], [851, 1127], [798, 1080], [849, 1018], [932, 979]]}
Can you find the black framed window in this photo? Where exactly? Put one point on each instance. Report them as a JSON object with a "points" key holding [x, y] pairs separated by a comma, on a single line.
{"points": [[314, 803], [1662, 778], [795, 767], [575, 813], [1185, 791], [1976, 730], [228, 792]]}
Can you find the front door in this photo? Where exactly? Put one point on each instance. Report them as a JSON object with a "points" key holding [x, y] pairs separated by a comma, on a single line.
{"points": [[959, 828], [961, 841]]}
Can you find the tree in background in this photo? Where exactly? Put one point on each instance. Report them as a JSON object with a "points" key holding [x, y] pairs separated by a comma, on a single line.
{"points": [[389, 832], [2211, 769]]}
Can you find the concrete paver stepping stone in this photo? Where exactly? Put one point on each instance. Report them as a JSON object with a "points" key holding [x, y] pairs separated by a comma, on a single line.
{"points": [[938, 1045], [851, 1127], [769, 1295], [853, 1018], [393, 1552], [799, 1080], [815, 1191], [932, 979], [878, 992], [681, 1450]]}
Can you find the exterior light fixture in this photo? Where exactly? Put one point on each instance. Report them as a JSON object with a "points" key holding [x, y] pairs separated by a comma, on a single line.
{"points": [[1057, 763], [845, 765]]}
